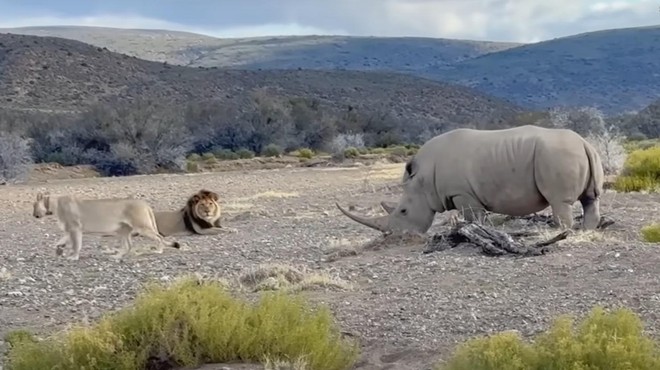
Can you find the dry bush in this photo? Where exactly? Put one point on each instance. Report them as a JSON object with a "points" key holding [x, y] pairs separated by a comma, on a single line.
{"points": [[15, 157], [590, 123], [188, 324], [289, 278], [603, 341]]}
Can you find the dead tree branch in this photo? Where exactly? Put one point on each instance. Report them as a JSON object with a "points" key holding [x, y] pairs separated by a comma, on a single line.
{"points": [[492, 242]]}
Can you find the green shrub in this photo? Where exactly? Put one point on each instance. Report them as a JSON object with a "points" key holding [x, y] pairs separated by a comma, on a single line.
{"points": [[271, 150], [188, 324], [377, 150], [192, 166], [643, 162], [633, 183], [412, 151], [641, 171], [651, 233], [305, 153], [398, 150], [603, 341], [208, 155], [351, 152], [245, 153], [225, 154], [363, 151], [194, 157]]}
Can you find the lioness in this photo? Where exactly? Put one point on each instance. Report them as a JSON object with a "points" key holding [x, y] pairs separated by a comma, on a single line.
{"points": [[201, 215], [121, 217]]}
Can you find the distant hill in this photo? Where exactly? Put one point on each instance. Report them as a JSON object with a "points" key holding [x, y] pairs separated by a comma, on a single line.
{"points": [[614, 70], [284, 52], [56, 74]]}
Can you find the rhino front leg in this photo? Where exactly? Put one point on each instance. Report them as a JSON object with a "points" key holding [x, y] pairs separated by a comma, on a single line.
{"points": [[591, 213], [562, 214], [470, 208]]}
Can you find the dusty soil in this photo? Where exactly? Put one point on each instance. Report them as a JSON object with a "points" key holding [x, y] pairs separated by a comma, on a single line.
{"points": [[407, 309]]}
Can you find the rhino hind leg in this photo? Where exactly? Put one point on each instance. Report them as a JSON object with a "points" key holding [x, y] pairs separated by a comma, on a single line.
{"points": [[470, 208], [591, 213], [562, 214]]}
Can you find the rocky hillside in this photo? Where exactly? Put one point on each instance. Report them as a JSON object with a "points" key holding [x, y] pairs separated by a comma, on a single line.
{"points": [[48, 73], [614, 70], [410, 54]]}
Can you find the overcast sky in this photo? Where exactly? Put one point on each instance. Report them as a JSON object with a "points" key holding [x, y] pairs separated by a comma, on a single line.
{"points": [[499, 20]]}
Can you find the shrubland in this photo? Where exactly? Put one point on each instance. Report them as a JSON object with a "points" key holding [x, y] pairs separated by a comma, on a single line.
{"points": [[187, 324], [147, 136]]}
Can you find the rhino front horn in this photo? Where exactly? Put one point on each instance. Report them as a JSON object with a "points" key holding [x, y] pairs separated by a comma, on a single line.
{"points": [[378, 223]]}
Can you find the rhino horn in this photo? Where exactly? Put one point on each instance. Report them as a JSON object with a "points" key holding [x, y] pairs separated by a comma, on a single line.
{"points": [[378, 223], [389, 207]]}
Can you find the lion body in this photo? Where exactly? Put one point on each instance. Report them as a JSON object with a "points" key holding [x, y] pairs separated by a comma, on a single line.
{"points": [[121, 217]]}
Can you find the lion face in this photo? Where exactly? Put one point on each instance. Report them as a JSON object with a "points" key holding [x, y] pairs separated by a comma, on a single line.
{"points": [[205, 205], [40, 207]]}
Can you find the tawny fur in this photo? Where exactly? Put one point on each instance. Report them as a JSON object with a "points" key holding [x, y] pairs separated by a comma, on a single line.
{"points": [[104, 217]]}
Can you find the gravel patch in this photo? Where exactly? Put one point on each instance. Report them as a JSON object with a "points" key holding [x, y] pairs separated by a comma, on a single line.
{"points": [[408, 309]]}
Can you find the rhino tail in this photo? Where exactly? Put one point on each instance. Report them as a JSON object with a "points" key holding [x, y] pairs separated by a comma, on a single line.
{"points": [[596, 171]]}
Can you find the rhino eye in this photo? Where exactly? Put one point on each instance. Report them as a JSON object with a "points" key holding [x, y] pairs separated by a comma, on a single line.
{"points": [[404, 211]]}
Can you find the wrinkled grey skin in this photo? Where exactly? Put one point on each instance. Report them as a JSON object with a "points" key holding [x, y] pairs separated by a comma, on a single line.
{"points": [[516, 172]]}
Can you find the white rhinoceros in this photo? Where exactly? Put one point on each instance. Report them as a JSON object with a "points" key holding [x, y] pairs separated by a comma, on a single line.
{"points": [[515, 171]]}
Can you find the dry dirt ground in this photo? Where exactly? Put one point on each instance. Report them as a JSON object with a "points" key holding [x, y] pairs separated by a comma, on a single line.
{"points": [[407, 309]]}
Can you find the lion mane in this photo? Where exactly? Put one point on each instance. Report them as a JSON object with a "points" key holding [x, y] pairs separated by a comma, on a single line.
{"points": [[203, 210]]}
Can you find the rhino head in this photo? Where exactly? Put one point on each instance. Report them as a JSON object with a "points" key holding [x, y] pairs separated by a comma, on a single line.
{"points": [[413, 211]]}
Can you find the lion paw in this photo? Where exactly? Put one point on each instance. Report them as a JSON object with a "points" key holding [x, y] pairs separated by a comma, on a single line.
{"points": [[73, 257]]}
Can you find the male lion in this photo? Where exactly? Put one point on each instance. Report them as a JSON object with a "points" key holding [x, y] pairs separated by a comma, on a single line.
{"points": [[201, 215], [121, 217]]}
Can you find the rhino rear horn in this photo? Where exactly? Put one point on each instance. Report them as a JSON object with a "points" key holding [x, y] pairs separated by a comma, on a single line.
{"points": [[378, 223], [389, 207]]}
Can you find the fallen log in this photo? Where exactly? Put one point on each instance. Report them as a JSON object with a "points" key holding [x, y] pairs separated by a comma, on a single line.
{"points": [[547, 220], [492, 242]]}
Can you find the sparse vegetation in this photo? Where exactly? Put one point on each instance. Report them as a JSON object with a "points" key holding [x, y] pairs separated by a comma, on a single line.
{"points": [[603, 341], [271, 150], [651, 233], [305, 153], [351, 152], [15, 157], [187, 324], [641, 171]]}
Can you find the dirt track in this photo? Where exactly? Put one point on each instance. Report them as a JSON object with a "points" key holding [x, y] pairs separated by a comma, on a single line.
{"points": [[407, 308]]}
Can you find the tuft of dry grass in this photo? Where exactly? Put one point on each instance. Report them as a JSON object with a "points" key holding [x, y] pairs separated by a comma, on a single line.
{"points": [[286, 278]]}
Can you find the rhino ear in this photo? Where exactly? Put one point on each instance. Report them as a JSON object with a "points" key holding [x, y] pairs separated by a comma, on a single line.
{"points": [[411, 169]]}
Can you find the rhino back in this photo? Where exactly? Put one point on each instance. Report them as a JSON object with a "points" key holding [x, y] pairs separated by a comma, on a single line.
{"points": [[495, 167]]}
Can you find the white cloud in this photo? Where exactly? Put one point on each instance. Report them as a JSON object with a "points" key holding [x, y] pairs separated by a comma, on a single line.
{"points": [[136, 21], [499, 20]]}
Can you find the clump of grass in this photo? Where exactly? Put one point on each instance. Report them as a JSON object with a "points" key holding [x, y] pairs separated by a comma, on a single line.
{"points": [[351, 152], [271, 150], [225, 154], [192, 166], [188, 324], [641, 171], [377, 151], [398, 150], [651, 233], [602, 341], [245, 153], [289, 279], [305, 153], [194, 157]]}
